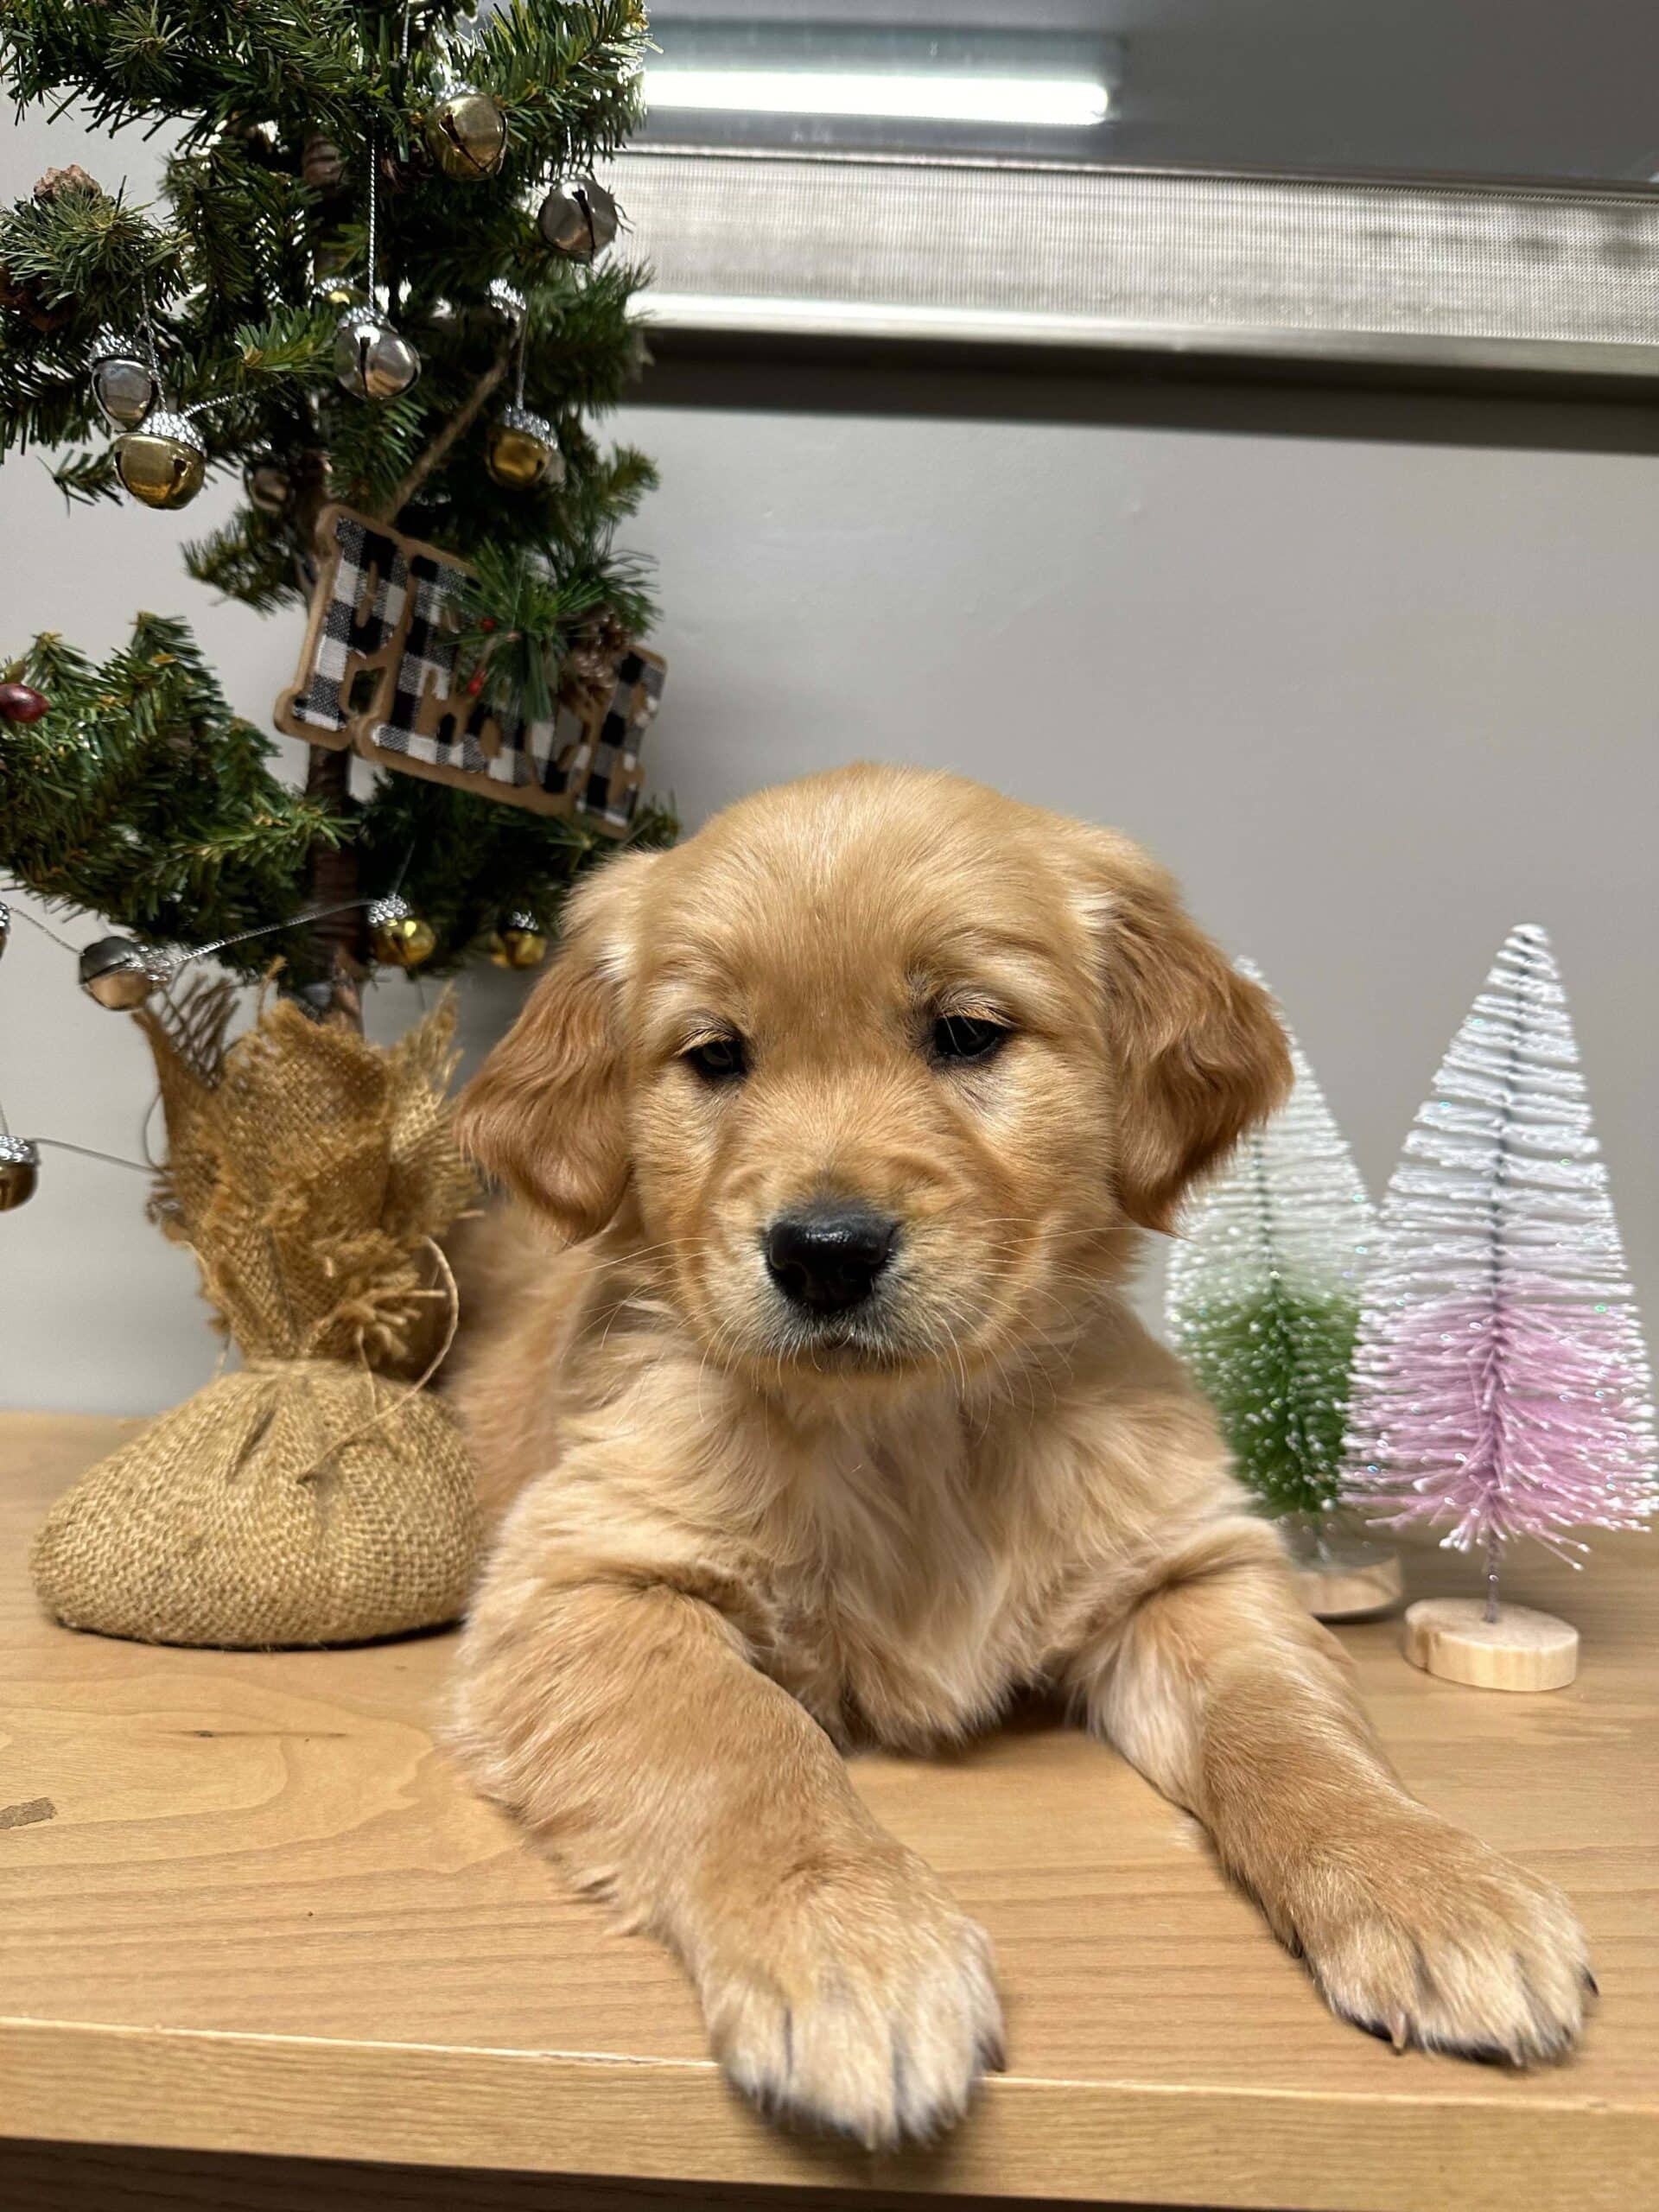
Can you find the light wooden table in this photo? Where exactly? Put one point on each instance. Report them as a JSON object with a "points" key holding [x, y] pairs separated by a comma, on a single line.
{"points": [[247, 1906]]}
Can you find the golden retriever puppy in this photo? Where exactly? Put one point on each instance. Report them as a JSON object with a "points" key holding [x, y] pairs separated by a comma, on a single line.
{"points": [[830, 1423]]}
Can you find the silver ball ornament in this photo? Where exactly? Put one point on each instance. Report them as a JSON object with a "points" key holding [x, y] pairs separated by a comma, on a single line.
{"points": [[372, 359], [578, 219]]}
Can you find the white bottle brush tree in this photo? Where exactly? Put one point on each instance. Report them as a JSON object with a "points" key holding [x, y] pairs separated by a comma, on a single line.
{"points": [[1501, 1388], [1263, 1302]]}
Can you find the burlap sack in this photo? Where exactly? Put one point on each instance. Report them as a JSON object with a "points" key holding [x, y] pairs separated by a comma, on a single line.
{"points": [[313, 1497]]}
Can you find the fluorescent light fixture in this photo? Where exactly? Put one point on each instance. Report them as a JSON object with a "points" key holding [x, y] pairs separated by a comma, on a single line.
{"points": [[1054, 103]]}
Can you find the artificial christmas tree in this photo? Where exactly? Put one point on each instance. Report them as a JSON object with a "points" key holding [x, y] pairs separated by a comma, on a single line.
{"points": [[248, 325], [345, 299], [1262, 1303], [1501, 1385]]}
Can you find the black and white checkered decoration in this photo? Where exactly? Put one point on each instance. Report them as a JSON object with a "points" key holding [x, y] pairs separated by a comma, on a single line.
{"points": [[384, 625], [365, 579]]}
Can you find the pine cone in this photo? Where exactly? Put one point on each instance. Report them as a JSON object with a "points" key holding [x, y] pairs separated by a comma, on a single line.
{"points": [[589, 666], [56, 182], [21, 298], [322, 166]]}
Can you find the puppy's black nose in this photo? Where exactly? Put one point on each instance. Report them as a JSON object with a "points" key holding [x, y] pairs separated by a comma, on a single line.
{"points": [[828, 1260]]}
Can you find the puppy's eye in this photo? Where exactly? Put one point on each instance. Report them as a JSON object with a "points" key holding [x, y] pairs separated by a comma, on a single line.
{"points": [[968, 1037], [718, 1059]]}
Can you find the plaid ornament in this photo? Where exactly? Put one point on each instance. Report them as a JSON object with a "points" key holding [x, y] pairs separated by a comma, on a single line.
{"points": [[378, 672]]}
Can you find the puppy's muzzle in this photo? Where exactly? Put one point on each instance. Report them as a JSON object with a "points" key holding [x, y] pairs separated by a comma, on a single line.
{"points": [[827, 1261]]}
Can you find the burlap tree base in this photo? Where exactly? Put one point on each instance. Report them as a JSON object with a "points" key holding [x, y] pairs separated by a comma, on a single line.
{"points": [[313, 1497]]}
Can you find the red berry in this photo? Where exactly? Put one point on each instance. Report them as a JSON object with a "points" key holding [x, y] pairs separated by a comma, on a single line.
{"points": [[19, 702], [475, 685], [488, 622]]}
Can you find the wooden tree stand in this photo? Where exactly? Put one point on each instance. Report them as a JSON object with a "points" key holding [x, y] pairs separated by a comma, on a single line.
{"points": [[1520, 1650]]}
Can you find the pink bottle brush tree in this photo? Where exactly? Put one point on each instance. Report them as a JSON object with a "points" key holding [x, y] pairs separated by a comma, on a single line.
{"points": [[1501, 1387]]}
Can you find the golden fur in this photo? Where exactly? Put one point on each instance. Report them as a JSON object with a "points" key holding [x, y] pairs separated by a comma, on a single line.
{"points": [[734, 1539]]}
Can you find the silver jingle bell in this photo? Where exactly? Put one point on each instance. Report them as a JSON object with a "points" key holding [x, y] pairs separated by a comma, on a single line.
{"points": [[123, 383], [578, 219], [20, 1169], [119, 974], [370, 357]]}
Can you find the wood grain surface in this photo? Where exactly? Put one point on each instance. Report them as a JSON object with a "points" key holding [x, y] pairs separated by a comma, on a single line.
{"points": [[246, 1905]]}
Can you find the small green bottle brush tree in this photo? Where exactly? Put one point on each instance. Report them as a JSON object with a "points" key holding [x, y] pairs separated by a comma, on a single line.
{"points": [[1263, 1303], [374, 279]]}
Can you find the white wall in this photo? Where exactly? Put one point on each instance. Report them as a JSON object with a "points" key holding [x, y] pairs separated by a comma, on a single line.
{"points": [[1374, 703]]}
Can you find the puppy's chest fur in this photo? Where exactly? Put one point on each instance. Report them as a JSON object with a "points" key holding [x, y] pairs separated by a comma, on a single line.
{"points": [[903, 1606], [901, 1569]]}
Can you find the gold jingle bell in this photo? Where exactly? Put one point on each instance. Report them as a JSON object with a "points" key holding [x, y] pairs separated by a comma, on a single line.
{"points": [[466, 133], [398, 936], [119, 974], [163, 462], [523, 450], [20, 1170], [519, 943]]}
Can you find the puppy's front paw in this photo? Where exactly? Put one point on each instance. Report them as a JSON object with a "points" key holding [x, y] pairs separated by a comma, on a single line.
{"points": [[860, 2000], [1423, 1935]]}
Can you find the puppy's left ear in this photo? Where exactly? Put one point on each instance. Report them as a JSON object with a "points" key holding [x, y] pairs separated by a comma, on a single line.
{"points": [[1201, 1055], [547, 1113]]}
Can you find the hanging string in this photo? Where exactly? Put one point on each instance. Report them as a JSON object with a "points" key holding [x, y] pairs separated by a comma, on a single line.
{"points": [[241, 936], [90, 1152], [150, 1160], [267, 928], [149, 331], [34, 922], [374, 204]]}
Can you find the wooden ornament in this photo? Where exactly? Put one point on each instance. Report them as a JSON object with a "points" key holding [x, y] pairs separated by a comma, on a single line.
{"points": [[378, 672], [1520, 1650]]}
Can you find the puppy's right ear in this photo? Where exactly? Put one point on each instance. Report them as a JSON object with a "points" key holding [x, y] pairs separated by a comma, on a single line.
{"points": [[547, 1113]]}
